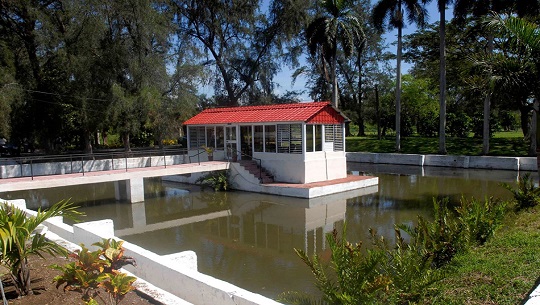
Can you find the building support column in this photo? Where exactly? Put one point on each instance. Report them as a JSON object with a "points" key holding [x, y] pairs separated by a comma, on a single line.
{"points": [[131, 189]]}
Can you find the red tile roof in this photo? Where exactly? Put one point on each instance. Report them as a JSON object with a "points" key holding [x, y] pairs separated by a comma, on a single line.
{"points": [[315, 112]]}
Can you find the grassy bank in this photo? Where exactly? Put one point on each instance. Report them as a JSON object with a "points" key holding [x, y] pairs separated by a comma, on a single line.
{"points": [[502, 144], [502, 271]]}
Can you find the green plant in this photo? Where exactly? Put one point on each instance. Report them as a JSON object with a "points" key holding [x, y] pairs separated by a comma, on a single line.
{"points": [[526, 195], [93, 269], [355, 278], [439, 239], [480, 219], [19, 240], [209, 150], [218, 180], [406, 267]]}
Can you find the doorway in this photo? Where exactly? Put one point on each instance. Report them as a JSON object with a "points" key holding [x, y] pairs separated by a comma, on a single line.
{"points": [[231, 145]]}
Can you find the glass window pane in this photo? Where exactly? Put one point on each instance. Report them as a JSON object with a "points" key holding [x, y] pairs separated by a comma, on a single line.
{"points": [[296, 139], [220, 139], [270, 138], [309, 138], [210, 136], [318, 137], [258, 139]]}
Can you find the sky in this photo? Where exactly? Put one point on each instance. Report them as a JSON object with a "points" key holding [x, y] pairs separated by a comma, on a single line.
{"points": [[284, 78]]}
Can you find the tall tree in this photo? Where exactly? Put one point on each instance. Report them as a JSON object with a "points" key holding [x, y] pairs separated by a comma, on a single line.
{"points": [[441, 5], [479, 9], [392, 12], [524, 36], [335, 25], [240, 39]]}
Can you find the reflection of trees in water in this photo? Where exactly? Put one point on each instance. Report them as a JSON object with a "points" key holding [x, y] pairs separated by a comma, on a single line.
{"points": [[81, 195], [214, 199]]}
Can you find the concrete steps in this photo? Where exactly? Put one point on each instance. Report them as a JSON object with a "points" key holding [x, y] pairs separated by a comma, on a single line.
{"points": [[253, 168]]}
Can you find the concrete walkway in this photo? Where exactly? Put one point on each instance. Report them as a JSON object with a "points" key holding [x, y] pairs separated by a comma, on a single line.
{"points": [[38, 182]]}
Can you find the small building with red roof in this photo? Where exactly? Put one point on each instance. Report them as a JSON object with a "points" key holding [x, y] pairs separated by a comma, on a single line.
{"points": [[295, 143]]}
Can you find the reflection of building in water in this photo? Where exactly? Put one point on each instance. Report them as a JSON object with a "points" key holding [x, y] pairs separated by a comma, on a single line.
{"points": [[278, 227], [246, 220]]}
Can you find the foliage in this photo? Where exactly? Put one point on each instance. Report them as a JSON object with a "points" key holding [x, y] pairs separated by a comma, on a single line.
{"points": [[526, 195], [406, 266], [439, 239], [480, 219], [19, 239], [504, 144], [502, 271], [209, 150], [355, 278], [99, 268], [218, 180]]}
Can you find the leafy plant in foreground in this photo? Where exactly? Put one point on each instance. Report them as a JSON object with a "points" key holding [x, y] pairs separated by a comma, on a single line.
{"points": [[408, 269], [439, 239], [94, 269], [355, 278], [526, 195], [218, 180], [19, 240], [480, 219]]}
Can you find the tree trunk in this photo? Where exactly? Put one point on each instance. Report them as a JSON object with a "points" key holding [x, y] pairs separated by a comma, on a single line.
{"points": [[487, 105], [534, 131], [87, 143], [398, 91], [335, 96], [125, 139], [442, 83]]}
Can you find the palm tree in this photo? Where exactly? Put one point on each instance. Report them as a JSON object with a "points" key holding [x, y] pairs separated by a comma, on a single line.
{"points": [[525, 37], [336, 25], [441, 4], [18, 241], [392, 11]]}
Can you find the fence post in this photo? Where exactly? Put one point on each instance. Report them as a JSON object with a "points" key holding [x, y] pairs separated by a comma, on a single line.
{"points": [[125, 157], [71, 163], [164, 161], [82, 165], [32, 169]]}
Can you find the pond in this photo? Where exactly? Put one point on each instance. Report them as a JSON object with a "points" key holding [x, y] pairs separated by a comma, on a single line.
{"points": [[248, 239]]}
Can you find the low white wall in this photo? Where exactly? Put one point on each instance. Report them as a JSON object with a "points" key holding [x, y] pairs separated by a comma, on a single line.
{"points": [[78, 166], [177, 274], [478, 162]]}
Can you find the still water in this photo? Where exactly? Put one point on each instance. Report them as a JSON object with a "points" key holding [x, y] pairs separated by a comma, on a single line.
{"points": [[248, 239]]}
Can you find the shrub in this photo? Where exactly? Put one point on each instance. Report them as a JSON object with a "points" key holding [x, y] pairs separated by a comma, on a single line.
{"points": [[526, 195], [19, 240], [407, 268], [93, 269], [439, 239], [480, 219], [218, 180], [354, 278]]}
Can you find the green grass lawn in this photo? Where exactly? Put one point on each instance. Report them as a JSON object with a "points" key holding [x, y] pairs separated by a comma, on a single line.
{"points": [[502, 144], [500, 272]]}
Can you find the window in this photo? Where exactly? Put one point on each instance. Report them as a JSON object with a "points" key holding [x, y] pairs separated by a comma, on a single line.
{"points": [[220, 138], [289, 138], [334, 134], [196, 136], [211, 137], [309, 138], [296, 139], [270, 138], [318, 137], [258, 139], [283, 138]]}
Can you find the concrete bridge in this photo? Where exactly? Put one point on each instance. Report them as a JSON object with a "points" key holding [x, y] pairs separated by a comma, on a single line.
{"points": [[128, 182]]}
